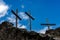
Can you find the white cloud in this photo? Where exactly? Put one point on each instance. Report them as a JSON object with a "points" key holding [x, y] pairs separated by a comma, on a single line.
{"points": [[11, 19], [3, 8], [21, 26], [43, 30], [23, 15]]}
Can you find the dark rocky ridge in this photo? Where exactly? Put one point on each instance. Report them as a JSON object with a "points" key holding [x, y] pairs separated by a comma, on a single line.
{"points": [[8, 32], [54, 32]]}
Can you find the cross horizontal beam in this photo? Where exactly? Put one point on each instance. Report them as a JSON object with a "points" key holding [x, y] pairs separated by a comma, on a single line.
{"points": [[16, 15], [49, 24], [29, 16]]}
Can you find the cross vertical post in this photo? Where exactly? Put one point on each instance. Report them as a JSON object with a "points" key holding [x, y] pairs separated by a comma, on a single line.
{"points": [[30, 17], [47, 23], [16, 18], [30, 23], [16, 22]]}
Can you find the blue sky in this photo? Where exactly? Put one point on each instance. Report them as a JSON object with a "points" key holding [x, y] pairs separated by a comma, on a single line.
{"points": [[39, 9]]}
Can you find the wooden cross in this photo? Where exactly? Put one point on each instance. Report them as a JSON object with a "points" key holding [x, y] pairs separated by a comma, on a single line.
{"points": [[16, 14], [30, 17], [48, 24]]}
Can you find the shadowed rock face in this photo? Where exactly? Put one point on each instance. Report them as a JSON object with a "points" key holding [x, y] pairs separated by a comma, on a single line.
{"points": [[54, 32], [8, 32]]}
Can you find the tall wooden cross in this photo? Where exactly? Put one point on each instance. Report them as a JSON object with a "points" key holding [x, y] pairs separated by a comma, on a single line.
{"points": [[48, 24], [30, 17], [16, 14]]}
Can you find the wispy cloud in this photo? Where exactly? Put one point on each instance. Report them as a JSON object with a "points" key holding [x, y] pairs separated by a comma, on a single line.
{"points": [[23, 15], [3, 8], [22, 6], [43, 30], [11, 19], [21, 26]]}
